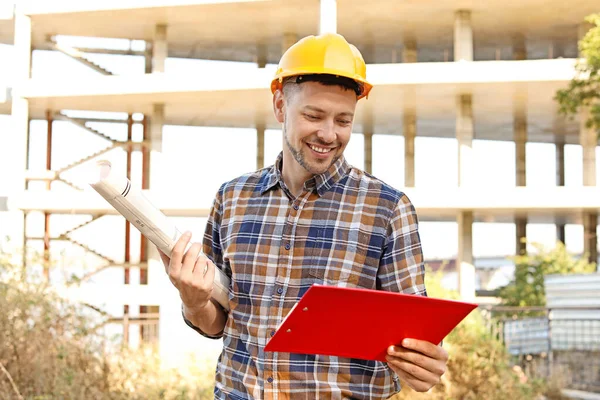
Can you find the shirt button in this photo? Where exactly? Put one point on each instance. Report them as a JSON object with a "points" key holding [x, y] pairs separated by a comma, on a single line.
{"points": [[270, 379], [280, 290], [287, 246], [296, 207]]}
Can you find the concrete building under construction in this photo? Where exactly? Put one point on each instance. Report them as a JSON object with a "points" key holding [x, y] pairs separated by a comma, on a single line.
{"points": [[487, 72]]}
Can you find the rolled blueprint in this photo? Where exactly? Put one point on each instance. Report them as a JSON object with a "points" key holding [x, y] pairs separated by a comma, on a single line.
{"points": [[130, 202]]}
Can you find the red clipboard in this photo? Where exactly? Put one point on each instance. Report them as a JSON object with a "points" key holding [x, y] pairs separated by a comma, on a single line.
{"points": [[363, 323]]}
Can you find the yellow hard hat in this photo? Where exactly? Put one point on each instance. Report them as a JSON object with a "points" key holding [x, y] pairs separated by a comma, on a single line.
{"points": [[330, 54]]}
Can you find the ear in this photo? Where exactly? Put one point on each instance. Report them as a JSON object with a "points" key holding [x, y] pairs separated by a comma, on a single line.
{"points": [[279, 105]]}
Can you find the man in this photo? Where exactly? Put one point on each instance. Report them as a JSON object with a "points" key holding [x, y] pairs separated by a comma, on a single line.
{"points": [[309, 218]]}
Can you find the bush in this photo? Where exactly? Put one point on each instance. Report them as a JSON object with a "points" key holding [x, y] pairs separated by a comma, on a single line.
{"points": [[479, 366], [527, 288], [53, 349]]}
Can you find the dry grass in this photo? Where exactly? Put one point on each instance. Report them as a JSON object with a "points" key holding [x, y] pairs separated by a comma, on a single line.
{"points": [[53, 349]]}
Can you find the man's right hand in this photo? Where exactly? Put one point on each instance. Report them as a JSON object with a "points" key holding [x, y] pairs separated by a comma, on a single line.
{"points": [[191, 273]]}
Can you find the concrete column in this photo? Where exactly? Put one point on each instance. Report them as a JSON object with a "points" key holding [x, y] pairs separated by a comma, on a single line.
{"points": [[410, 132], [519, 47], [288, 40], [155, 182], [560, 173], [368, 137], [463, 36], [328, 17], [261, 55], [588, 141], [560, 181], [464, 259], [159, 49], [156, 127], [20, 114], [582, 29], [520, 136], [590, 236], [409, 52], [20, 105], [464, 135], [260, 146], [558, 50], [148, 58], [560, 163]]}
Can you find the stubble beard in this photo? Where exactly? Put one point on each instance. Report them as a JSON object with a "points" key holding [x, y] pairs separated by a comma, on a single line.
{"points": [[299, 156]]}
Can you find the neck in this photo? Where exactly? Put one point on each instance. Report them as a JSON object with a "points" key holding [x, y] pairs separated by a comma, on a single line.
{"points": [[293, 174]]}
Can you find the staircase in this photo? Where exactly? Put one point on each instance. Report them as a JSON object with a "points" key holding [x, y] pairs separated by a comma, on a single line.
{"points": [[78, 56], [88, 249], [82, 125], [91, 156]]}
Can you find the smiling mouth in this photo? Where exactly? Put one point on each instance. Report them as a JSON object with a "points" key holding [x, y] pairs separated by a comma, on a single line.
{"points": [[320, 150]]}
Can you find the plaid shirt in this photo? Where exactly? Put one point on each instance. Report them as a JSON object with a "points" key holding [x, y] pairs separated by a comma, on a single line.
{"points": [[347, 229]]}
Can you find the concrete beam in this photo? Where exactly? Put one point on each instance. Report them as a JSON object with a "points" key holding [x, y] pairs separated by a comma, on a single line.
{"points": [[463, 36]]}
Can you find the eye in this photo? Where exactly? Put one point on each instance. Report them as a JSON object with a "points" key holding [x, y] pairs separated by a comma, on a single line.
{"points": [[344, 122], [311, 117]]}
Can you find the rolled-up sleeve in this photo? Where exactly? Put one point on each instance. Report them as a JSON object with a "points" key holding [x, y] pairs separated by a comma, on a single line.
{"points": [[401, 268]]}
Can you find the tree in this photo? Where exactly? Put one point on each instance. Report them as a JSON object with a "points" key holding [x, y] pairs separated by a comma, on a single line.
{"points": [[527, 288], [584, 89]]}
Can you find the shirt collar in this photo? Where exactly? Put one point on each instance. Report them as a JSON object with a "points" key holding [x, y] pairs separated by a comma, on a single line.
{"points": [[321, 182]]}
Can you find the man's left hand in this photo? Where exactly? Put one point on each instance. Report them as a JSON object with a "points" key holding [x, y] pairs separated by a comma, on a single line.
{"points": [[418, 363]]}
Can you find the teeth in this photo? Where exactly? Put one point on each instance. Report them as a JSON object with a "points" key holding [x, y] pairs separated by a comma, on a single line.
{"points": [[319, 149]]}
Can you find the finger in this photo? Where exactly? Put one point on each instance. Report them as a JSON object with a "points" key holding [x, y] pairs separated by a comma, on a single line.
{"points": [[414, 371], [189, 261], [209, 276], [177, 254], [427, 348], [436, 366], [411, 381]]}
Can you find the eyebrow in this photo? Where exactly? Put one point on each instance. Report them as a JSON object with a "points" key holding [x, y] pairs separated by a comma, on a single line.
{"points": [[319, 110]]}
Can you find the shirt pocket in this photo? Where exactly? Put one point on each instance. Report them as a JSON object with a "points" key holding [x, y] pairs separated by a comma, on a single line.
{"points": [[340, 258]]}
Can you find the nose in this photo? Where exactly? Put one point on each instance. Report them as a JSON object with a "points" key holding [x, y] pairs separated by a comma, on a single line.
{"points": [[327, 132]]}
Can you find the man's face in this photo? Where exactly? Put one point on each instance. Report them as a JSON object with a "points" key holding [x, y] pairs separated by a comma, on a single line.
{"points": [[317, 123]]}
